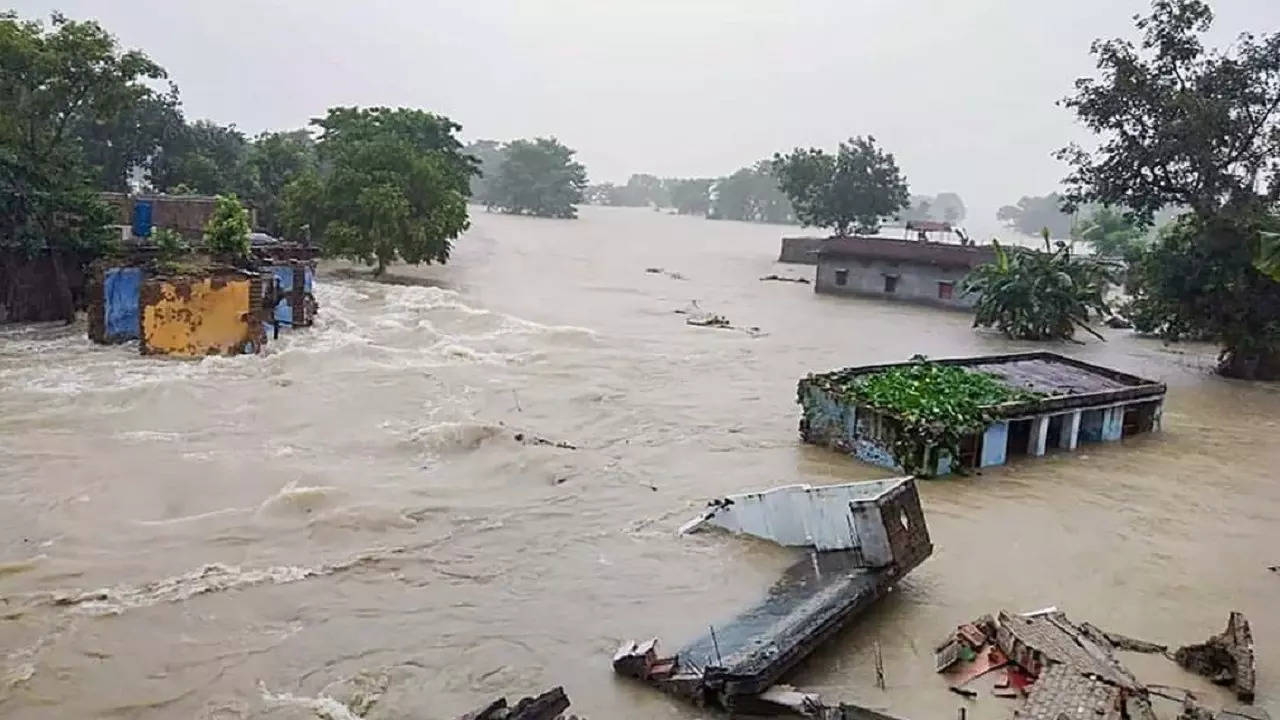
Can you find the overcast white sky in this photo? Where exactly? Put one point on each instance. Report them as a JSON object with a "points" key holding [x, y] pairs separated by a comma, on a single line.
{"points": [[962, 91]]}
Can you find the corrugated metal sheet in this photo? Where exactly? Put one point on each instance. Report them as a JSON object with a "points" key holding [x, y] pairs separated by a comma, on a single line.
{"points": [[197, 316], [121, 288], [826, 517]]}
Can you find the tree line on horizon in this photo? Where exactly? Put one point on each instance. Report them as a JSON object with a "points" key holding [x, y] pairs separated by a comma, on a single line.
{"points": [[750, 194], [1183, 186]]}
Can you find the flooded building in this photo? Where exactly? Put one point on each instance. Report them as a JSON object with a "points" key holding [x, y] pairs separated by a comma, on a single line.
{"points": [[862, 538], [1066, 403], [900, 269], [190, 315]]}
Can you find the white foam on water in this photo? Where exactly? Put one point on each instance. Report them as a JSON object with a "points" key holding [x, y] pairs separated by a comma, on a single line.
{"points": [[295, 498], [212, 578], [449, 435], [323, 707]]}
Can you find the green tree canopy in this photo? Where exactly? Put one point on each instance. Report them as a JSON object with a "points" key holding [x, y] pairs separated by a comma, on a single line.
{"points": [[1181, 125], [390, 184], [856, 189], [276, 159], [1033, 213], [1111, 233], [206, 158], [539, 177], [489, 155], [689, 196], [54, 82], [751, 195]]}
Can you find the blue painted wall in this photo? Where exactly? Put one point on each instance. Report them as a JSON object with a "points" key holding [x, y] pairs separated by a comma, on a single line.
{"points": [[1091, 422], [120, 303], [995, 444], [1113, 424], [284, 276]]}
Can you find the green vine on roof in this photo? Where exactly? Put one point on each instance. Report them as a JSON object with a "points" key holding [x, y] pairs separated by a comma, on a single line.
{"points": [[935, 406]]}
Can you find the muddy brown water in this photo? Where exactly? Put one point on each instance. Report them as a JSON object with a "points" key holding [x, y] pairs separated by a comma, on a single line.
{"points": [[348, 518]]}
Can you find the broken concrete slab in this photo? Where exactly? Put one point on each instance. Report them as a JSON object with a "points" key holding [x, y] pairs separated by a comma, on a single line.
{"points": [[1227, 658], [548, 706], [1124, 642], [737, 664], [853, 516]]}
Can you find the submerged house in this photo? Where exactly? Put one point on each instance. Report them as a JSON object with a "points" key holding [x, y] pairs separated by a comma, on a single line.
{"points": [[1054, 403], [912, 270]]}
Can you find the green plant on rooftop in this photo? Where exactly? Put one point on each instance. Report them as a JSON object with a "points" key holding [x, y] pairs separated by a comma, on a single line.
{"points": [[935, 406]]}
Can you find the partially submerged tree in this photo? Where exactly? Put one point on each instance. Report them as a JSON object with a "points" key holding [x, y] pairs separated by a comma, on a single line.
{"points": [[539, 177], [752, 195], [54, 82], [1033, 213], [689, 196], [855, 189], [1029, 295], [489, 155], [1111, 234], [1185, 126], [391, 184]]}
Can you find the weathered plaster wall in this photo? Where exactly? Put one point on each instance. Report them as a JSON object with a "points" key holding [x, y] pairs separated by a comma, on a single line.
{"points": [[917, 282], [800, 250], [197, 316]]}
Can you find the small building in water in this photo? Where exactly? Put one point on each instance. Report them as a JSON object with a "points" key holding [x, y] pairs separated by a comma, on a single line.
{"points": [[899, 269], [1065, 403]]}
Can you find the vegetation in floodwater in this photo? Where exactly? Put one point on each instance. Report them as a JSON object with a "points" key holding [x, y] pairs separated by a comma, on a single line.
{"points": [[934, 405]]}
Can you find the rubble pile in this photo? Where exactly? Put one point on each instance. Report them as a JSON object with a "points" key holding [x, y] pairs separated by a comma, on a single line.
{"points": [[1068, 671]]}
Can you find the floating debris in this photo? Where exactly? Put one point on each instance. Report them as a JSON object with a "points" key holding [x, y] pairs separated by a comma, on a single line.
{"points": [[1226, 658], [781, 278], [1070, 671], [549, 705], [535, 440]]}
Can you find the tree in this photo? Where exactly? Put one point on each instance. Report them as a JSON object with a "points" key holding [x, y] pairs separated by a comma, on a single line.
{"points": [[539, 177], [751, 194], [919, 207], [691, 196], [856, 189], [1185, 126], [207, 158], [389, 184], [1034, 213], [949, 207], [1030, 295], [489, 154], [275, 159], [1111, 234], [52, 82], [227, 231], [117, 147]]}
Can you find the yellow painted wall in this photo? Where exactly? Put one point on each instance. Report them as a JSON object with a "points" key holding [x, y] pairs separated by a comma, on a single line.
{"points": [[193, 317]]}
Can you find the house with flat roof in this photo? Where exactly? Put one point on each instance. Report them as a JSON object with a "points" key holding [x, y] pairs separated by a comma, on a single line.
{"points": [[899, 269], [1060, 403]]}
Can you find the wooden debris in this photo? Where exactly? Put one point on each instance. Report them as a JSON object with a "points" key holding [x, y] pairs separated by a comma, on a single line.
{"points": [[1226, 658], [963, 692]]}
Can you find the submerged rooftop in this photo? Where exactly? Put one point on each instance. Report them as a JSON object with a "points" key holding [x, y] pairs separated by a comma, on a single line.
{"points": [[1062, 382]]}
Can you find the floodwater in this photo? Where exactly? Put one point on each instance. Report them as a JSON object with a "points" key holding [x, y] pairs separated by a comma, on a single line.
{"points": [[347, 527]]}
